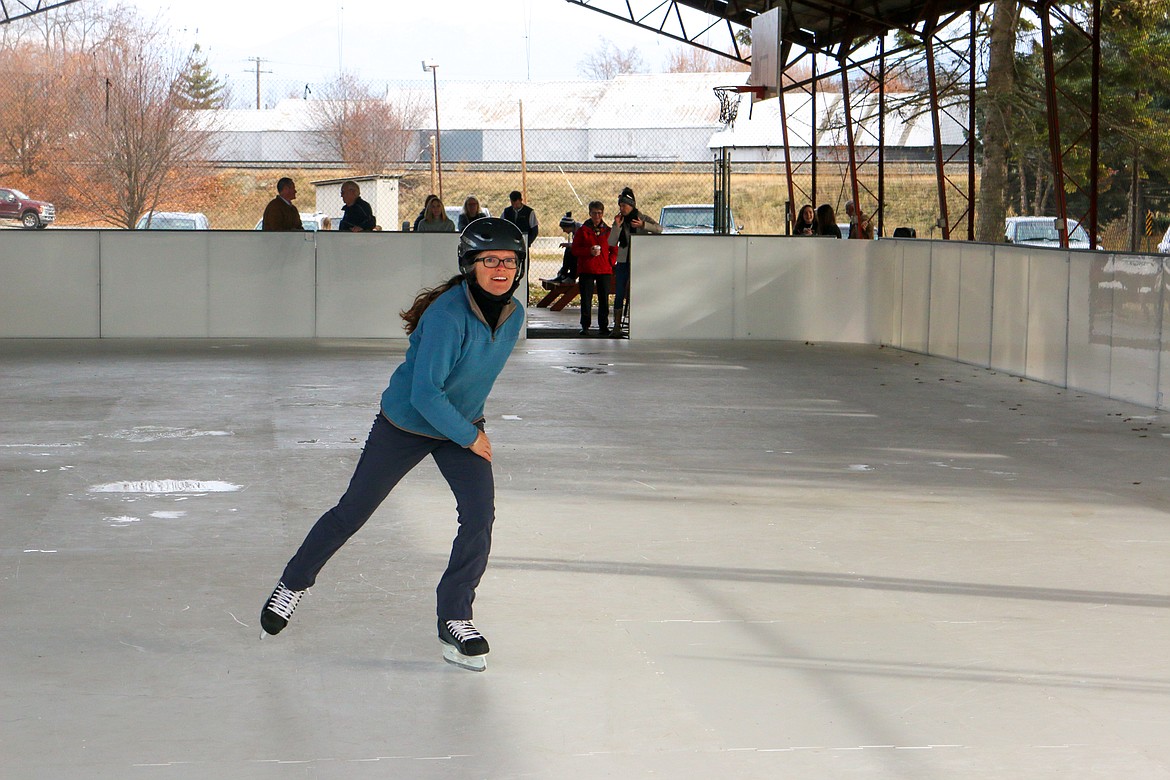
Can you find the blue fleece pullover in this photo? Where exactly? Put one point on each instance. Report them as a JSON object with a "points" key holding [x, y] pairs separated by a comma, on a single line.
{"points": [[450, 366]]}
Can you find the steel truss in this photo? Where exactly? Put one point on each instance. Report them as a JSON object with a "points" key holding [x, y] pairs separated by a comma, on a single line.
{"points": [[845, 32], [666, 18], [11, 10]]}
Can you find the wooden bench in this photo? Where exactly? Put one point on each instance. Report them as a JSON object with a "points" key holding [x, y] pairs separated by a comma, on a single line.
{"points": [[558, 296]]}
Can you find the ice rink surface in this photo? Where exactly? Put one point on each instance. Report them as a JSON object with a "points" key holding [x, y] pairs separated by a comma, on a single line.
{"points": [[711, 560]]}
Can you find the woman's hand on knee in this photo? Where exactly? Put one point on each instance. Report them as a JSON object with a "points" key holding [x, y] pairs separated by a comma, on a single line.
{"points": [[482, 447]]}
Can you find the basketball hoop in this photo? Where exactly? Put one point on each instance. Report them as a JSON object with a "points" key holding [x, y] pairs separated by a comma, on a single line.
{"points": [[729, 101]]}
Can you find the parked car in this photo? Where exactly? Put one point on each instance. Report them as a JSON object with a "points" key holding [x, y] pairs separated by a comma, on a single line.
{"points": [[16, 206], [691, 218], [173, 220], [1042, 231], [310, 221]]}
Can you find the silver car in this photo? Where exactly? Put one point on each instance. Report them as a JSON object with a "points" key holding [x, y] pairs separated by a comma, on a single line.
{"points": [[173, 220], [1042, 231], [691, 218]]}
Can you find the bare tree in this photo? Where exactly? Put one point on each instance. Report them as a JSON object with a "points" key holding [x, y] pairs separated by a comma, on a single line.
{"points": [[607, 61], [133, 130], [363, 129], [691, 59]]}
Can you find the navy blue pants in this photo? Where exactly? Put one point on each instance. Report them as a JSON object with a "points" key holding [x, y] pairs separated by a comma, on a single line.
{"points": [[621, 287], [388, 455]]}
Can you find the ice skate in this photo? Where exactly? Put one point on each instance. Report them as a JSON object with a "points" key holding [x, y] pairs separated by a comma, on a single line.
{"points": [[279, 609], [463, 645]]}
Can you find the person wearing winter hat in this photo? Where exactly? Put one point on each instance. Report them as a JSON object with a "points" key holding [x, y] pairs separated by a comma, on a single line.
{"points": [[629, 221], [461, 335], [568, 272]]}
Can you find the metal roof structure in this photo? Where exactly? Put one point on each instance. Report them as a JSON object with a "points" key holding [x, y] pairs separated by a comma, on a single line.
{"points": [[11, 10], [831, 27], [854, 33]]}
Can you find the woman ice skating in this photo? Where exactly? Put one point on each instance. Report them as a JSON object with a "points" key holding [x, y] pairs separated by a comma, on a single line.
{"points": [[461, 334]]}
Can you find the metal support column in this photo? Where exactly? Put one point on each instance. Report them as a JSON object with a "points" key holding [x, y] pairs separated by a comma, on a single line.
{"points": [[849, 136], [1054, 144], [928, 38]]}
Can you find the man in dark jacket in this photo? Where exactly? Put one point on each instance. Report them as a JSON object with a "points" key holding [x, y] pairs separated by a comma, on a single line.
{"points": [[280, 213], [358, 214], [522, 216]]}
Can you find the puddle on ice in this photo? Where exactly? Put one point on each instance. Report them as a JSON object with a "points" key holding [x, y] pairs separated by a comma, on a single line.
{"points": [[121, 522], [166, 486], [148, 433]]}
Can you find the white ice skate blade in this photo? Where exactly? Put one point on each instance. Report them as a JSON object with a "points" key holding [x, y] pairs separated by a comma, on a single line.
{"points": [[451, 654]]}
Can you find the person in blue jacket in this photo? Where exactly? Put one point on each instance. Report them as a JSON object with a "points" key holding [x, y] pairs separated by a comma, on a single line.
{"points": [[461, 334]]}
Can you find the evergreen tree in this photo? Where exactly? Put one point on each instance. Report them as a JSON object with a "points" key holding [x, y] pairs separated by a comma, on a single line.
{"points": [[197, 86], [1134, 116]]}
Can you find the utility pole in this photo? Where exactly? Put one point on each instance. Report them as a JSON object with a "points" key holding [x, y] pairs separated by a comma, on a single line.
{"points": [[258, 60], [437, 157]]}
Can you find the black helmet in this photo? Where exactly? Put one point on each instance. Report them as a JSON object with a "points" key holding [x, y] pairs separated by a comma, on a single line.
{"points": [[491, 233]]}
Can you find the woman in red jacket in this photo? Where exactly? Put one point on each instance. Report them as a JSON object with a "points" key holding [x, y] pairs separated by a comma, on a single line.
{"points": [[595, 259]]}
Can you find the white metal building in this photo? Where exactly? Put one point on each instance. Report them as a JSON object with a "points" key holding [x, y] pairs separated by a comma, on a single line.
{"points": [[663, 117]]}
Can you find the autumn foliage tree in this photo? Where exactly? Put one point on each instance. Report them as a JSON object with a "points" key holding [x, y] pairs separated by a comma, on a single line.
{"points": [[90, 118], [32, 103]]}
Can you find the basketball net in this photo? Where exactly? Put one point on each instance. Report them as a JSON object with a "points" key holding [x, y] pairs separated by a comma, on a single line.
{"points": [[728, 104]]}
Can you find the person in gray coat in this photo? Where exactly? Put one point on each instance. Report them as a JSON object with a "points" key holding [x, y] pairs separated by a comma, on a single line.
{"points": [[628, 222]]}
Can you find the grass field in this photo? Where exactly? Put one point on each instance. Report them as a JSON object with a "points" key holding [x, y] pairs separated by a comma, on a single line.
{"points": [[757, 199]]}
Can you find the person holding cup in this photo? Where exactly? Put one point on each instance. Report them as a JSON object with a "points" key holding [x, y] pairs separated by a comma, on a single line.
{"points": [[595, 261]]}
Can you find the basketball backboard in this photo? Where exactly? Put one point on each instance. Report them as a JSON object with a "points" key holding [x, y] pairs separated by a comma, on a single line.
{"points": [[766, 65]]}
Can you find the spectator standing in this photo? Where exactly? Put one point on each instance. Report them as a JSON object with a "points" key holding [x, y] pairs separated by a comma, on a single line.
{"points": [[628, 222], [860, 226], [594, 268], [461, 335], [827, 221], [806, 222], [358, 216], [471, 212], [522, 216], [280, 213], [436, 219]]}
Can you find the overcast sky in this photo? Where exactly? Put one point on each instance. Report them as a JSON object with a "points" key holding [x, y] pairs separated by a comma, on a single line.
{"points": [[303, 41]]}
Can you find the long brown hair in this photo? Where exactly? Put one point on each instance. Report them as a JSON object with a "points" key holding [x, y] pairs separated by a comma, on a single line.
{"points": [[424, 299]]}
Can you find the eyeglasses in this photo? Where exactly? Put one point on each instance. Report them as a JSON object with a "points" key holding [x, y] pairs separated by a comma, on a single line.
{"points": [[494, 262]]}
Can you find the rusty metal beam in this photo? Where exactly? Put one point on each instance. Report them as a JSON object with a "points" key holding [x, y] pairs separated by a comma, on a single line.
{"points": [[850, 141], [11, 10], [1054, 144]]}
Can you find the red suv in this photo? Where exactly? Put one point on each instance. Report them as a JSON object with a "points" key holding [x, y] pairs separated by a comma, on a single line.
{"points": [[15, 205]]}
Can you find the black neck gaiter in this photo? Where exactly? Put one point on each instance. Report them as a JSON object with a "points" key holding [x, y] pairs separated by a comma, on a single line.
{"points": [[491, 306]]}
